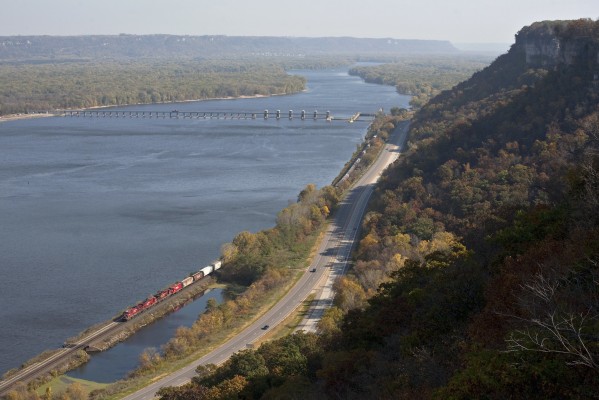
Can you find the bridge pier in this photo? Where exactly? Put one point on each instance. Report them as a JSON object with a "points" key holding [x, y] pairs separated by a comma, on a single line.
{"points": [[175, 114]]}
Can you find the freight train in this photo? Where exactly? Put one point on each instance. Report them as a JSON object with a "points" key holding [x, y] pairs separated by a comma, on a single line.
{"points": [[174, 288]]}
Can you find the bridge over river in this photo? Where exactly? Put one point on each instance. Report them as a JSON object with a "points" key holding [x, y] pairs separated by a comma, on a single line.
{"points": [[302, 115]]}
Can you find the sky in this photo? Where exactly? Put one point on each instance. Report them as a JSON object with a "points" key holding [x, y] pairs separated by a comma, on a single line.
{"points": [[459, 21]]}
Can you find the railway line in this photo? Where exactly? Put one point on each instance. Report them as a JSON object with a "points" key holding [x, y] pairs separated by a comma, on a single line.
{"points": [[108, 330], [331, 261], [50, 363]]}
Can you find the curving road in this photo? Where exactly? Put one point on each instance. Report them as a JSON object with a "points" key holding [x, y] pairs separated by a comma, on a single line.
{"points": [[331, 262]]}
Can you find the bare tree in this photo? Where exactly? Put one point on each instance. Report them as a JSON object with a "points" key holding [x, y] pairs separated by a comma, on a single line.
{"points": [[553, 326]]}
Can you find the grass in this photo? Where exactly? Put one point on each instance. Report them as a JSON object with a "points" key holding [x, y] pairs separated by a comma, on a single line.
{"points": [[289, 324], [61, 383]]}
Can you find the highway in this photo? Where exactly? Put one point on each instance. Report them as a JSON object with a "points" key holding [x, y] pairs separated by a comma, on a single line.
{"points": [[344, 229], [330, 262]]}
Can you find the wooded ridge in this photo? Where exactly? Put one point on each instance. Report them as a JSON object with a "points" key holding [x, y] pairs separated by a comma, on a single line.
{"points": [[477, 274]]}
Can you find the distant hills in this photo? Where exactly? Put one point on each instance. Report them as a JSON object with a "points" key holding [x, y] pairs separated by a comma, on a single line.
{"points": [[483, 48], [31, 48]]}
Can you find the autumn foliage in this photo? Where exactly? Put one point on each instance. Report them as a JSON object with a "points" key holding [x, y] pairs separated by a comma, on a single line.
{"points": [[477, 271]]}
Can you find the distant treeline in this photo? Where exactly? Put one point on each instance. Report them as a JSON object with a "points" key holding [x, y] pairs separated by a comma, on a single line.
{"points": [[423, 76], [169, 47], [30, 85], [40, 87]]}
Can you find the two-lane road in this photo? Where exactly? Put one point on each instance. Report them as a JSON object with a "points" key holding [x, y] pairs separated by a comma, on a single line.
{"points": [[344, 229], [333, 252]]}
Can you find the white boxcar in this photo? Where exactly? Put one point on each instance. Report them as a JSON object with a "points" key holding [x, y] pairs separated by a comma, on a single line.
{"points": [[207, 270], [217, 264], [187, 281]]}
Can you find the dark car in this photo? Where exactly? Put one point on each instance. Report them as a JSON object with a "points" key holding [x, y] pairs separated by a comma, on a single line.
{"points": [[313, 270], [265, 327]]}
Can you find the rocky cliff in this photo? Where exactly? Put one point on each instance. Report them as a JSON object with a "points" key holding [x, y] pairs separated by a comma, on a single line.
{"points": [[552, 43]]}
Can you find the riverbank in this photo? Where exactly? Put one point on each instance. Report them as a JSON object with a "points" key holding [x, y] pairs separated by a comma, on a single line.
{"points": [[15, 117]]}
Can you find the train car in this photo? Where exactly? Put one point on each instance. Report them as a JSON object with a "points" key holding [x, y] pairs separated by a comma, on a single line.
{"points": [[162, 294], [149, 302], [175, 288], [187, 281], [197, 276], [130, 313], [207, 270]]}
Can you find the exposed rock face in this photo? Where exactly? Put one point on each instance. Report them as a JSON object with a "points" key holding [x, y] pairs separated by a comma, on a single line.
{"points": [[552, 43]]}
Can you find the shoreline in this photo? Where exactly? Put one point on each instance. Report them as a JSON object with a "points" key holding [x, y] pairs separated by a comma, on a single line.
{"points": [[17, 117]]}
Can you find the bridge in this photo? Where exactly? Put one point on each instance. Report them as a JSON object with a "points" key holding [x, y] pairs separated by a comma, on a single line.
{"points": [[175, 114]]}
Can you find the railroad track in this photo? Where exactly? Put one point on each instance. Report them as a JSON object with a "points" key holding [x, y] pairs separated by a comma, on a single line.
{"points": [[57, 358], [108, 330]]}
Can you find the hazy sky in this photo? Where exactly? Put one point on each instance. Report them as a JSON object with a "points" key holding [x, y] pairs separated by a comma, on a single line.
{"points": [[454, 20]]}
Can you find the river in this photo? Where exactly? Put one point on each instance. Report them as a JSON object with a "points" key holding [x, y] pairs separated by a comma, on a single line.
{"points": [[98, 213]]}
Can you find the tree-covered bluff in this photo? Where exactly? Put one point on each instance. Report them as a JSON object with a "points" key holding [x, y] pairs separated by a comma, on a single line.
{"points": [[477, 273], [485, 239]]}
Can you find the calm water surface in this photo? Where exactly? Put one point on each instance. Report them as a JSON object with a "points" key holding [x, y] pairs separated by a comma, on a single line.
{"points": [[96, 214], [115, 363]]}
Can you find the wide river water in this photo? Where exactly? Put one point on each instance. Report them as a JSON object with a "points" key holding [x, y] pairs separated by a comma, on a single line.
{"points": [[98, 213]]}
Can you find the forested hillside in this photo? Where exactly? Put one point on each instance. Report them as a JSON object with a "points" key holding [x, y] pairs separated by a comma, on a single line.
{"points": [[477, 275]]}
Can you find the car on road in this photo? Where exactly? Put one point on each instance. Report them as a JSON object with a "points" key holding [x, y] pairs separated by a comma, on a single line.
{"points": [[265, 327], [313, 270]]}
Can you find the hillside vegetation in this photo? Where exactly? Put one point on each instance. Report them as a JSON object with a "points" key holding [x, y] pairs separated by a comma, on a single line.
{"points": [[477, 274], [423, 77]]}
